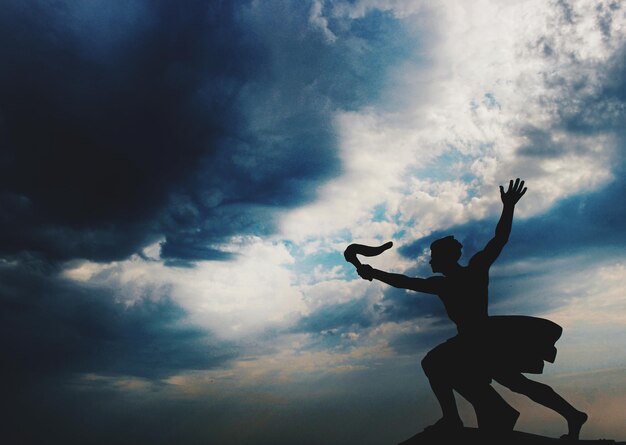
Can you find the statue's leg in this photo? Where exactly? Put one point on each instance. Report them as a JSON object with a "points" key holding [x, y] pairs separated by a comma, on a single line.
{"points": [[546, 396], [493, 413], [471, 379], [437, 365]]}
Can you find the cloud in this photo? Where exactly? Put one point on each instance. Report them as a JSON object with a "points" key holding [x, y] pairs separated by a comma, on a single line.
{"points": [[463, 114], [585, 221], [106, 109], [177, 185], [53, 327], [449, 152], [332, 317], [556, 264], [251, 293], [126, 124]]}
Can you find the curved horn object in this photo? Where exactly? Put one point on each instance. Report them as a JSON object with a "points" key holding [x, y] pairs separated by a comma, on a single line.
{"points": [[360, 249]]}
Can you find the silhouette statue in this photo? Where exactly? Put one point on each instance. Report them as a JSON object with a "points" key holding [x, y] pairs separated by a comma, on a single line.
{"points": [[486, 348]]}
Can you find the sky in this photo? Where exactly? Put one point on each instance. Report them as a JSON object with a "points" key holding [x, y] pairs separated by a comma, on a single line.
{"points": [[178, 181]]}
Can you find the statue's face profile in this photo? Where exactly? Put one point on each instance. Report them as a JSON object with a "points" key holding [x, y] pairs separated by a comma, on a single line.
{"points": [[436, 261], [441, 260]]}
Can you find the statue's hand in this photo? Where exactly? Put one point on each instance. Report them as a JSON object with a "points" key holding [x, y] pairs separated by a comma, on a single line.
{"points": [[514, 193], [366, 272]]}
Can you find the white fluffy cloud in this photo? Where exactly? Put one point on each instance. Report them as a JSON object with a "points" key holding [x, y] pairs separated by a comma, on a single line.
{"points": [[234, 299], [482, 102]]}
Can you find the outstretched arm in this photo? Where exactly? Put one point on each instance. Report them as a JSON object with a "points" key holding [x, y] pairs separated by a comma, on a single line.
{"points": [[509, 198], [428, 285]]}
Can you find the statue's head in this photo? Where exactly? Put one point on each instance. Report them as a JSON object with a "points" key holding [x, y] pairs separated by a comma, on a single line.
{"points": [[444, 253]]}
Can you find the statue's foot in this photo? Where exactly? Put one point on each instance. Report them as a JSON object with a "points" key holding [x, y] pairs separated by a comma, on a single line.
{"points": [[574, 424]]}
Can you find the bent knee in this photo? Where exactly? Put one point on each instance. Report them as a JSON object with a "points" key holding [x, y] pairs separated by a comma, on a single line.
{"points": [[427, 363], [430, 363], [435, 362]]}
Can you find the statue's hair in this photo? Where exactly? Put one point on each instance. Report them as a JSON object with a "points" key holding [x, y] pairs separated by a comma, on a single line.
{"points": [[447, 246]]}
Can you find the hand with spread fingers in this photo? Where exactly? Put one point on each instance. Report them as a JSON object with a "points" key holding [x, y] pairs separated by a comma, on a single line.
{"points": [[514, 193]]}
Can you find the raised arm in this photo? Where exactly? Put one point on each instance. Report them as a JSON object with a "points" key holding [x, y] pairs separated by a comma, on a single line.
{"points": [[509, 198], [428, 285]]}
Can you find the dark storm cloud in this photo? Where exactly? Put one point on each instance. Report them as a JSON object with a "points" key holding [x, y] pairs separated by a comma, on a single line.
{"points": [[123, 123], [105, 108], [53, 327], [286, 144]]}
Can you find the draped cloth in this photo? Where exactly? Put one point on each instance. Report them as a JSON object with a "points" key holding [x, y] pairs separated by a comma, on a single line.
{"points": [[504, 344], [520, 343]]}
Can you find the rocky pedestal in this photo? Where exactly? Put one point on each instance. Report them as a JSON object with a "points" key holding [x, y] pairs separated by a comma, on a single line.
{"points": [[472, 436]]}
